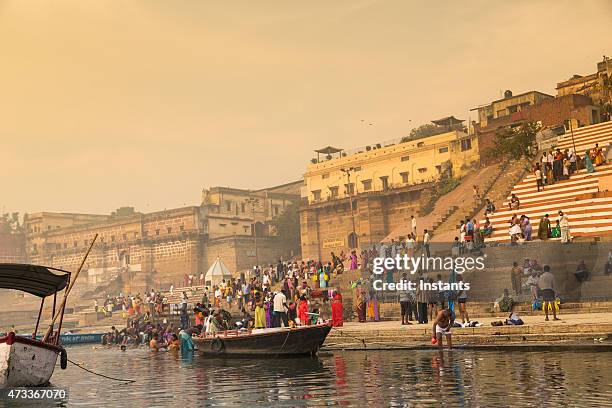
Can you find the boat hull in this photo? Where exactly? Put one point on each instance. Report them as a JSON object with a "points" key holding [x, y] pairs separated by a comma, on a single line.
{"points": [[24, 363], [278, 342]]}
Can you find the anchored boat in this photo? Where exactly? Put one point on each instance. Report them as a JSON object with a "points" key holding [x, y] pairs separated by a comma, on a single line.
{"points": [[272, 342], [29, 362]]}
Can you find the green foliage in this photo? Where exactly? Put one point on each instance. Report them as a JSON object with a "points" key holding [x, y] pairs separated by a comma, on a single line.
{"points": [[9, 223], [288, 226], [429, 130], [515, 143]]}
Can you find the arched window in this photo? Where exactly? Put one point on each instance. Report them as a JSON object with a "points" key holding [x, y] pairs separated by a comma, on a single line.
{"points": [[353, 241]]}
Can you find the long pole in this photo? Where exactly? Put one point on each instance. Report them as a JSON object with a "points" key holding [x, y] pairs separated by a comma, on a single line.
{"points": [[72, 282]]}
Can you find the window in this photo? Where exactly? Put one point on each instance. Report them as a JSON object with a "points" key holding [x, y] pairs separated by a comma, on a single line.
{"points": [[439, 168], [316, 194], [350, 188], [385, 182], [405, 158], [228, 205], [512, 109], [501, 112], [276, 210], [325, 175], [85, 243], [358, 168], [422, 169], [48, 227], [334, 191], [367, 185], [169, 229], [466, 144], [404, 177], [420, 144], [181, 228], [243, 207], [76, 244], [65, 245], [222, 225], [156, 232], [135, 234], [125, 237], [145, 233], [443, 150], [112, 238], [246, 229]]}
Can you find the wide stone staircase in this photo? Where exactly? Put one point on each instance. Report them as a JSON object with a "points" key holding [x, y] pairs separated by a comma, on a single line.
{"points": [[455, 203], [509, 173], [584, 197]]}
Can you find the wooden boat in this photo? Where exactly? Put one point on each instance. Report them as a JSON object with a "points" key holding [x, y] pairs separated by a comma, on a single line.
{"points": [[30, 362], [273, 342]]}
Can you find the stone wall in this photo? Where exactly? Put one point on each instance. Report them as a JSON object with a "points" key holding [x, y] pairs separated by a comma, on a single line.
{"points": [[12, 248], [238, 252], [326, 227]]}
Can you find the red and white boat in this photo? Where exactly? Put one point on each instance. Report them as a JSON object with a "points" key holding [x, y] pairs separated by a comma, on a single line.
{"points": [[26, 361]]}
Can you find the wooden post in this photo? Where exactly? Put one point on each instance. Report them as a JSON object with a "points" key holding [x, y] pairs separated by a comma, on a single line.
{"points": [[42, 303], [72, 282]]}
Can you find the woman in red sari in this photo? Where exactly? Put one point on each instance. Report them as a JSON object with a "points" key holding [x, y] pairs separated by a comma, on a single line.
{"points": [[337, 310], [303, 310]]}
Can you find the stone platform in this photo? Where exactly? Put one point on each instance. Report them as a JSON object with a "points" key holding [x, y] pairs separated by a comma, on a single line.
{"points": [[578, 329]]}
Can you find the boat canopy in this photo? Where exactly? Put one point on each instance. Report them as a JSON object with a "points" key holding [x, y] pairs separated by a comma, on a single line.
{"points": [[40, 281]]}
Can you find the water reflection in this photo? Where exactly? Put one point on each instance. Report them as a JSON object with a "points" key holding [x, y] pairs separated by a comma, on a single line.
{"points": [[397, 378]]}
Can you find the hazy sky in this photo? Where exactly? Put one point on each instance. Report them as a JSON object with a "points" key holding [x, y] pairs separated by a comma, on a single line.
{"points": [[144, 103]]}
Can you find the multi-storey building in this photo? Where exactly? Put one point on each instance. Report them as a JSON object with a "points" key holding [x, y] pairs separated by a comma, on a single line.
{"points": [[355, 198]]}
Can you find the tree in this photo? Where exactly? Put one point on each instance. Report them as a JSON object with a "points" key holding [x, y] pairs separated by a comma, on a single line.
{"points": [[430, 129], [516, 143], [288, 226], [9, 223]]}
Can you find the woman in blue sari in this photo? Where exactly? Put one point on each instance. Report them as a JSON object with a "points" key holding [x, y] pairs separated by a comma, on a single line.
{"points": [[588, 164]]}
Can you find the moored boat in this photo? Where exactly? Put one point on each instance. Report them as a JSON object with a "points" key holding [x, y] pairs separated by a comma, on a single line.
{"points": [[28, 361], [271, 342]]}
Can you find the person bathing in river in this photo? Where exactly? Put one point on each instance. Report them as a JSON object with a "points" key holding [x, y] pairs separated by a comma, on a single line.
{"points": [[155, 344], [442, 325]]}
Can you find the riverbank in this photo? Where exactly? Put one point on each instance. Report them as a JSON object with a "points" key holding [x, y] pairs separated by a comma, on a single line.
{"points": [[573, 330]]}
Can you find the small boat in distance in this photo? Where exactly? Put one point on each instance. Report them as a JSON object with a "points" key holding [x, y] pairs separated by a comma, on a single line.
{"points": [[272, 342]]}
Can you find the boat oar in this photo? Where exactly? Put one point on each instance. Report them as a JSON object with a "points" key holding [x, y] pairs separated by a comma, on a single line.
{"points": [[60, 310]]}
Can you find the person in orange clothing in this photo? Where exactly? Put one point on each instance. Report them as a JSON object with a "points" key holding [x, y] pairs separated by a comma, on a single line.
{"points": [[303, 310], [337, 310]]}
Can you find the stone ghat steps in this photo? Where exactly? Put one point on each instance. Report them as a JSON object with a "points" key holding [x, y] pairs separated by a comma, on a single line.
{"points": [[522, 339], [419, 332], [586, 137], [589, 211], [499, 188], [579, 196], [447, 205], [598, 287], [529, 181]]}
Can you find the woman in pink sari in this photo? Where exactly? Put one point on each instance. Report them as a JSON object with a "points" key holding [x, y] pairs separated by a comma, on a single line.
{"points": [[353, 260], [337, 310]]}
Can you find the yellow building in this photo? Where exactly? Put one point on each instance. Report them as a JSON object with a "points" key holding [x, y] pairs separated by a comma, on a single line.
{"points": [[233, 211], [353, 199], [392, 165]]}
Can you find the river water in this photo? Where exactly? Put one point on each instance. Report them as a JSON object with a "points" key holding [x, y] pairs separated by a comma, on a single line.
{"points": [[375, 378]]}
